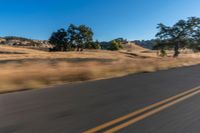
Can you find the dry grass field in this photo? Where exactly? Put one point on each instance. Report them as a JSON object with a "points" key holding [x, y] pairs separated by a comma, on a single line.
{"points": [[23, 68]]}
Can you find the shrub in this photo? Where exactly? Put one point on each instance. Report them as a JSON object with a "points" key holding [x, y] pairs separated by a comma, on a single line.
{"points": [[93, 45], [114, 46]]}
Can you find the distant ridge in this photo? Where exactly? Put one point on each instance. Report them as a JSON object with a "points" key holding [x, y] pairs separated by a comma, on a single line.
{"points": [[22, 41]]}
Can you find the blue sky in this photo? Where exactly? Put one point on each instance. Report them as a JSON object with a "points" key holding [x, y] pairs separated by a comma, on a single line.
{"points": [[109, 19]]}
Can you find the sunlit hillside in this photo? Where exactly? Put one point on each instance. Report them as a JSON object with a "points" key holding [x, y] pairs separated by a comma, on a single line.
{"points": [[23, 68]]}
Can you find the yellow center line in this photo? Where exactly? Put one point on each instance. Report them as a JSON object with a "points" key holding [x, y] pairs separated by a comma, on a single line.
{"points": [[145, 115], [137, 112]]}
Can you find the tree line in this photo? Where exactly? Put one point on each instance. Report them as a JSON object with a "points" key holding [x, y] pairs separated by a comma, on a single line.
{"points": [[183, 34], [73, 38], [77, 38]]}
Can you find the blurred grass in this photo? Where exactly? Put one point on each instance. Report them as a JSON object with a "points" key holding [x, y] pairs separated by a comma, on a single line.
{"points": [[36, 69]]}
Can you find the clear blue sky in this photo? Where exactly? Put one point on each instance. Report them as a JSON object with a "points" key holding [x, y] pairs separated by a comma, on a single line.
{"points": [[109, 19]]}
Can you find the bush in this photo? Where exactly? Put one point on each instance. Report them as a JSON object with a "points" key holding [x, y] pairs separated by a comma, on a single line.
{"points": [[163, 53], [93, 45], [114, 46]]}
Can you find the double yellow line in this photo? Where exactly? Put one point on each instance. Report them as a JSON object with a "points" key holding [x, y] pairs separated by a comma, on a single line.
{"points": [[143, 113]]}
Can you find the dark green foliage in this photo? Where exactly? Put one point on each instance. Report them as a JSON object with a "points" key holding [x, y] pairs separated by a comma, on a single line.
{"points": [[120, 40], [79, 36], [75, 37], [93, 45], [104, 45], [59, 40], [163, 52], [162, 46], [183, 34], [115, 45], [195, 43]]}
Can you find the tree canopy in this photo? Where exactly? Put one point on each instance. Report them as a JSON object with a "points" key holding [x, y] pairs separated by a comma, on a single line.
{"points": [[115, 45], [184, 33], [74, 37]]}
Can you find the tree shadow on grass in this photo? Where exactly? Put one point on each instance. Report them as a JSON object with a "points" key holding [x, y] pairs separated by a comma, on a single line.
{"points": [[6, 52], [56, 60]]}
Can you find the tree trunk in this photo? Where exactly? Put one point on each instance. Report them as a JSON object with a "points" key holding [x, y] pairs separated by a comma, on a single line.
{"points": [[81, 47], [78, 48], [176, 50]]}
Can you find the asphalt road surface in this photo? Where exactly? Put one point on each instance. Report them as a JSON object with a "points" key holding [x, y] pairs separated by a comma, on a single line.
{"points": [[161, 102]]}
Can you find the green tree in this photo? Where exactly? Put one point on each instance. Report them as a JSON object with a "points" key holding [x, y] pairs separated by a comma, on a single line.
{"points": [[114, 45], [59, 40], [162, 46], [93, 45], [120, 40], [179, 34], [79, 36], [85, 36], [73, 37], [195, 42]]}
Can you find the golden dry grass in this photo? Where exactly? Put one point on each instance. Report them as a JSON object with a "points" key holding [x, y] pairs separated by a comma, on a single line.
{"points": [[29, 69]]}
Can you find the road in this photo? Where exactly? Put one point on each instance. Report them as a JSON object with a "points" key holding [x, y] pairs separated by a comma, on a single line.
{"points": [[161, 102]]}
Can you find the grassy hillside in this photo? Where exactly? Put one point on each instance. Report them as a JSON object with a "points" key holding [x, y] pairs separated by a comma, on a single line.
{"points": [[23, 68]]}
